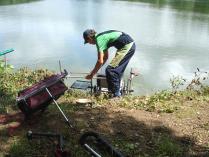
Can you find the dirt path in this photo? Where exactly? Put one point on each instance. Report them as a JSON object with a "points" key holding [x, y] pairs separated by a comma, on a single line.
{"points": [[136, 132], [188, 127]]}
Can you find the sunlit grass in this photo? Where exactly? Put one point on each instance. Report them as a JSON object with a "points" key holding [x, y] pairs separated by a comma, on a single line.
{"points": [[166, 101]]}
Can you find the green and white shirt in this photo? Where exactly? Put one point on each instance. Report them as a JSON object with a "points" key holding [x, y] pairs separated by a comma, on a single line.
{"points": [[104, 39]]}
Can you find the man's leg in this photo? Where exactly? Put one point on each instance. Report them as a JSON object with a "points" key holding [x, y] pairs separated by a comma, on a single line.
{"points": [[113, 81], [109, 77], [115, 72]]}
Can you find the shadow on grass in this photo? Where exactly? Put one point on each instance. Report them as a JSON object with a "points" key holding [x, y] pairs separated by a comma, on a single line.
{"points": [[132, 137]]}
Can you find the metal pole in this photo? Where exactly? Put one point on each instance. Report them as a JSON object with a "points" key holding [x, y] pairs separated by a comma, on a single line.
{"points": [[91, 86], [70, 76], [92, 151], [60, 66], [59, 108], [5, 64], [127, 86]]}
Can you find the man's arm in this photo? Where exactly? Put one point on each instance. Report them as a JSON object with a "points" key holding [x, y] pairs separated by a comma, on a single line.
{"points": [[106, 55], [99, 63]]}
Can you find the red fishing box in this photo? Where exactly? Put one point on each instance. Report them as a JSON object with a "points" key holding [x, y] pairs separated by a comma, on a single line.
{"points": [[37, 97]]}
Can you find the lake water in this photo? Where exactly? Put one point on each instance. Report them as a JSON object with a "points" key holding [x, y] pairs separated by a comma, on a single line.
{"points": [[172, 37]]}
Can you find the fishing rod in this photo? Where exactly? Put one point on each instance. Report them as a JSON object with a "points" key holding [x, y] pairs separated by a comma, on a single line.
{"points": [[80, 76]]}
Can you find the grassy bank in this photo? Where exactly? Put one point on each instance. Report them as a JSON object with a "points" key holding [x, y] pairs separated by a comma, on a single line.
{"points": [[170, 123]]}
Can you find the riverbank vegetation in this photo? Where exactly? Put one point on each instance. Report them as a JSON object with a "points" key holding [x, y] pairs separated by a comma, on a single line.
{"points": [[170, 123], [179, 5]]}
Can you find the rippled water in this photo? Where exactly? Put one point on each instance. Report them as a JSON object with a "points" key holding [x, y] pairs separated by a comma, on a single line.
{"points": [[172, 37]]}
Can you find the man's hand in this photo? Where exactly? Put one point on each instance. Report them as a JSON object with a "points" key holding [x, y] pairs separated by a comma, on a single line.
{"points": [[89, 77], [98, 65]]}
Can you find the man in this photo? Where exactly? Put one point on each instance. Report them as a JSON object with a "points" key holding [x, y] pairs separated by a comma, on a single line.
{"points": [[125, 49]]}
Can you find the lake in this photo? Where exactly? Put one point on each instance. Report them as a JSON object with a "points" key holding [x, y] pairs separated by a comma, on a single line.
{"points": [[172, 37]]}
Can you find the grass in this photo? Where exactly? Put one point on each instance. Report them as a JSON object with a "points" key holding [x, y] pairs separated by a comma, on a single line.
{"points": [[167, 147], [157, 144]]}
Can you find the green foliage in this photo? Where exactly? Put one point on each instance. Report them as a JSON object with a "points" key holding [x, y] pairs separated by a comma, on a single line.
{"points": [[200, 6], [102, 98], [161, 96], [126, 146], [23, 147], [162, 146], [6, 2], [19, 148], [176, 82], [197, 82], [130, 147], [163, 101], [12, 82], [205, 90], [5, 68], [72, 96], [167, 147], [170, 101], [23, 78]]}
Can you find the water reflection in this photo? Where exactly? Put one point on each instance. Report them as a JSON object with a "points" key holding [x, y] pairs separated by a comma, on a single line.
{"points": [[201, 6], [12, 2], [168, 42]]}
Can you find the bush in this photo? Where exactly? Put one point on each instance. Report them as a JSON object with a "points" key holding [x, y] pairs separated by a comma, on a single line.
{"points": [[12, 82]]}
